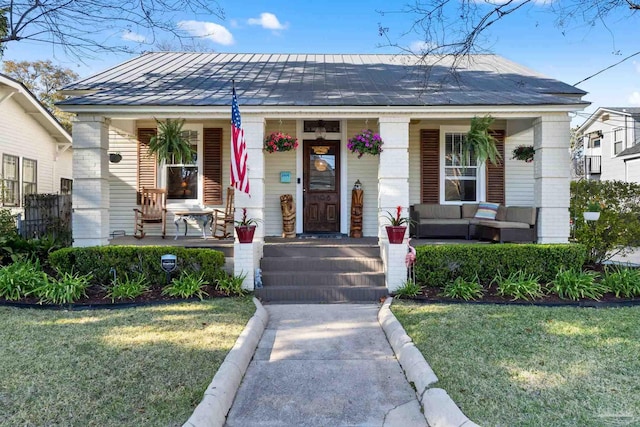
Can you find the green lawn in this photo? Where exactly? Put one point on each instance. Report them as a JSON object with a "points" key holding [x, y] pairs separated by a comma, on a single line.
{"points": [[132, 367], [532, 366]]}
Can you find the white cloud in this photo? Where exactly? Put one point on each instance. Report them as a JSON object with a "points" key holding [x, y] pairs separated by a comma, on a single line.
{"points": [[636, 64], [268, 21], [133, 37], [634, 98], [233, 23], [208, 30], [419, 46]]}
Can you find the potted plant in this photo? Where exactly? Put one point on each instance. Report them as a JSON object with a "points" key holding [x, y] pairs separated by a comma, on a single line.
{"points": [[171, 144], [278, 141], [397, 229], [245, 228], [365, 142], [524, 153], [592, 213], [480, 142]]}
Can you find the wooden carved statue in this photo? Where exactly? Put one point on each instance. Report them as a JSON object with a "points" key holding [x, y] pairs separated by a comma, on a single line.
{"points": [[357, 199], [288, 216]]}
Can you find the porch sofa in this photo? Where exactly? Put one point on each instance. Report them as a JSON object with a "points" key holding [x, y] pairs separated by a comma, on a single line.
{"points": [[511, 223]]}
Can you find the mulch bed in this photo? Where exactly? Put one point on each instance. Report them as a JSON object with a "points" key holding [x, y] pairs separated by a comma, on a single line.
{"points": [[433, 295], [97, 298]]}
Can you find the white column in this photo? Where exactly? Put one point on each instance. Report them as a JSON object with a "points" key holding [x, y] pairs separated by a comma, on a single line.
{"points": [[90, 181], [551, 176], [393, 191], [247, 255]]}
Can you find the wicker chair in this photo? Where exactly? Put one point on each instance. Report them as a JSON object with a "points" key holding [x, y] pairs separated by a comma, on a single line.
{"points": [[153, 210]]}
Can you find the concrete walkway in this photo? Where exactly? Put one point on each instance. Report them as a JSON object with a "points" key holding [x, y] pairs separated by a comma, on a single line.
{"points": [[324, 365]]}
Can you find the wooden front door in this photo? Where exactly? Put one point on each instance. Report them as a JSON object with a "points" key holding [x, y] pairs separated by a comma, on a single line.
{"points": [[321, 186]]}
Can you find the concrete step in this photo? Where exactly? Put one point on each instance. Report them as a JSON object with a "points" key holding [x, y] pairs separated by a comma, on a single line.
{"points": [[315, 251], [322, 278], [320, 294], [332, 264]]}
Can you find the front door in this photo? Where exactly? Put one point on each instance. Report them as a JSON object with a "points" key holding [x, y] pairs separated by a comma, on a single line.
{"points": [[321, 186]]}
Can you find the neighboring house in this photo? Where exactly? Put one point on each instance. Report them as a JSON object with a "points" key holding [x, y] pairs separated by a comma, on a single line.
{"points": [[36, 150], [421, 119], [610, 139]]}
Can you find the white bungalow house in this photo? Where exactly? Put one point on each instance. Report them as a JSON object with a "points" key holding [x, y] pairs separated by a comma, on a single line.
{"points": [[419, 117], [610, 139], [36, 150]]}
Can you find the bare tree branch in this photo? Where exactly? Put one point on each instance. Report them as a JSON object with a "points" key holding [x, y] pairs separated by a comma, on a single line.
{"points": [[86, 28]]}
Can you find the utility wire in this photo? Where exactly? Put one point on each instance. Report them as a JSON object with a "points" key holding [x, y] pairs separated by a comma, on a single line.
{"points": [[608, 68]]}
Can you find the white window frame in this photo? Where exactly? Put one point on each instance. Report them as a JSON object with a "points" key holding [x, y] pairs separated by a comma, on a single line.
{"points": [[481, 169], [163, 171], [24, 180], [615, 140], [16, 181]]}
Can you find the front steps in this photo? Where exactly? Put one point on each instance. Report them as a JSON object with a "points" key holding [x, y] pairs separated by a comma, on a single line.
{"points": [[321, 272]]}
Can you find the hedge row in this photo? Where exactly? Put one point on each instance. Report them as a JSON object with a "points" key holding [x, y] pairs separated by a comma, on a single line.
{"points": [[437, 265], [99, 261]]}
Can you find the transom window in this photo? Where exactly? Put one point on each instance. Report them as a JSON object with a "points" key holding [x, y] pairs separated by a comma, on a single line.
{"points": [[11, 180], [460, 182], [29, 176], [182, 178]]}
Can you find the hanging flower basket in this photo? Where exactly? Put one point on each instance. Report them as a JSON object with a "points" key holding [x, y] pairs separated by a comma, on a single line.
{"points": [[524, 153], [278, 142], [365, 142]]}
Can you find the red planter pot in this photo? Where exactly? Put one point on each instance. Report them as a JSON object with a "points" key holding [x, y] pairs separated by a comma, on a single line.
{"points": [[396, 234], [245, 233]]}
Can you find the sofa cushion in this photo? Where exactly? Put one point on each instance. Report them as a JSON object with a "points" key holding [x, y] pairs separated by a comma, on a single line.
{"points": [[432, 221], [501, 215], [437, 211], [503, 224], [487, 211], [521, 214], [469, 210]]}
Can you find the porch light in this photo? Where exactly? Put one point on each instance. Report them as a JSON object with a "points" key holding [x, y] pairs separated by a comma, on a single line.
{"points": [[321, 131]]}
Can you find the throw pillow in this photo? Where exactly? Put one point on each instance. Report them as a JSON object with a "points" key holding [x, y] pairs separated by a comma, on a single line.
{"points": [[487, 211]]}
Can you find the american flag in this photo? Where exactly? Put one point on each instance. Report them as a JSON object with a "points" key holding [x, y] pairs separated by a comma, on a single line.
{"points": [[239, 176]]}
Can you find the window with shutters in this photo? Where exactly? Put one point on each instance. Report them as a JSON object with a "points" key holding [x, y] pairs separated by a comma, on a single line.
{"points": [[11, 180], [197, 180], [182, 178], [458, 183]]}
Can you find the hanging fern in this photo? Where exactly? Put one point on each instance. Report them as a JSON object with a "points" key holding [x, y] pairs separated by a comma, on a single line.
{"points": [[170, 144], [480, 142]]}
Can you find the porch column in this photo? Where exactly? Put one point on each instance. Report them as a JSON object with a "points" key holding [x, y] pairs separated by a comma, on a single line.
{"points": [[90, 194], [393, 191], [246, 257], [551, 176]]}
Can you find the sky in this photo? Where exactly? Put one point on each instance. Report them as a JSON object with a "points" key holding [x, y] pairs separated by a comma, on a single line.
{"points": [[351, 26]]}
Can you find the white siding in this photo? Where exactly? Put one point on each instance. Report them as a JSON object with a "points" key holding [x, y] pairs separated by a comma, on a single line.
{"points": [[518, 174], [22, 136], [123, 176], [633, 170], [366, 170], [612, 167], [274, 164]]}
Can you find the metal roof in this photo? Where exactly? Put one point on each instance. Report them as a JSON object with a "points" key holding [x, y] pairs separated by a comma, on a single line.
{"points": [[635, 149], [205, 79]]}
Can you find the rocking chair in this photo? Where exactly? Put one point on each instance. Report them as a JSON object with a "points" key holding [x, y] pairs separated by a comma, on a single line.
{"points": [[153, 210], [222, 226]]}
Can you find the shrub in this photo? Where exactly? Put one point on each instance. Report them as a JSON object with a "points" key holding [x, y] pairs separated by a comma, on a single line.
{"points": [[65, 290], [438, 265], [408, 289], [7, 223], [14, 248], [574, 284], [144, 260], [618, 229], [186, 286], [622, 281], [125, 288], [19, 279], [232, 285], [519, 285], [464, 289]]}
